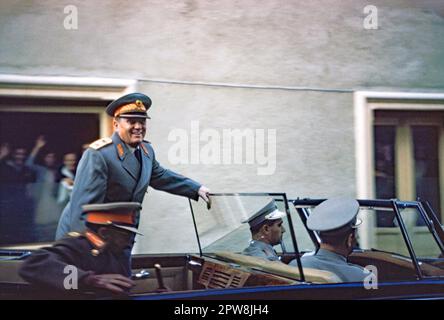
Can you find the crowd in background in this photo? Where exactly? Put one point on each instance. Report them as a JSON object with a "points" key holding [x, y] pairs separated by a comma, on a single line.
{"points": [[33, 193]]}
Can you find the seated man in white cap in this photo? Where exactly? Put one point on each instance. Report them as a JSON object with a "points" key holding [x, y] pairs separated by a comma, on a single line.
{"points": [[336, 222], [266, 228], [97, 254]]}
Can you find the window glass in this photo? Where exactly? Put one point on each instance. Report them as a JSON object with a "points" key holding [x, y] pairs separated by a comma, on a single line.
{"points": [[385, 170], [39, 153], [423, 242], [385, 238], [417, 144], [371, 236], [224, 226], [304, 242], [425, 142]]}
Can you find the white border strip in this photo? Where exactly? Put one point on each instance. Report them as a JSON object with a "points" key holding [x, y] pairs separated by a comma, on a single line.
{"points": [[66, 81], [399, 95], [85, 88]]}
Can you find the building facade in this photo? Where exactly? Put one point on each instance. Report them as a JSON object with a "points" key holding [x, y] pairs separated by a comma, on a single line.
{"points": [[326, 98]]}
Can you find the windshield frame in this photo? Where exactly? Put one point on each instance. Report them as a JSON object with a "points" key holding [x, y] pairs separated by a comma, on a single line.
{"points": [[422, 207], [433, 223], [284, 198]]}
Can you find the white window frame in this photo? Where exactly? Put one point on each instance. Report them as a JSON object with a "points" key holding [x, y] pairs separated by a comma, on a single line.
{"points": [[365, 104], [82, 88]]}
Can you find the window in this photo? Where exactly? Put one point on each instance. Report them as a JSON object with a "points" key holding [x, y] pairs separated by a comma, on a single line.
{"points": [[407, 158], [35, 183], [69, 112]]}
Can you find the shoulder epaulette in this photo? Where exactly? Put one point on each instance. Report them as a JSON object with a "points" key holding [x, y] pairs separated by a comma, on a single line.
{"points": [[74, 234], [97, 242], [96, 145]]}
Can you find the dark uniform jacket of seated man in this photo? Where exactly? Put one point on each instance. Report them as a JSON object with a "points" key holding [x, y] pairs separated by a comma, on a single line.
{"points": [[97, 254], [112, 170]]}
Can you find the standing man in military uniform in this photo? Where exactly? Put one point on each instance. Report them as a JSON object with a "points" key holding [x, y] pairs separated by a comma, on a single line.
{"points": [[122, 167], [266, 228], [336, 221], [98, 255]]}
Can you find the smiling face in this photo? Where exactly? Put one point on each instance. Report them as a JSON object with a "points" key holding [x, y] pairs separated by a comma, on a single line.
{"points": [[130, 130]]}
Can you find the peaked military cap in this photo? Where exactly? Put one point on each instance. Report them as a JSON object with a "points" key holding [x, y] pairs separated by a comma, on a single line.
{"points": [[121, 215], [334, 213], [133, 105], [269, 212]]}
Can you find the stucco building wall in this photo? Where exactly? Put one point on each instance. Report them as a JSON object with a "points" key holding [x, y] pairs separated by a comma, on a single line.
{"points": [[299, 49]]}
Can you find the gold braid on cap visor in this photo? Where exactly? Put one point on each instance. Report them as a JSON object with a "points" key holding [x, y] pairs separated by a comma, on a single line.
{"points": [[138, 106], [272, 215]]}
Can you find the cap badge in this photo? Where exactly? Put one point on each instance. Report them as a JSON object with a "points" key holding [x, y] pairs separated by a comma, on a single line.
{"points": [[137, 106]]}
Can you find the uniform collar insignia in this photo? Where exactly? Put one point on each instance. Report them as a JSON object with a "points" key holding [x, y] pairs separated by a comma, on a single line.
{"points": [[120, 146], [144, 148], [120, 150], [95, 240]]}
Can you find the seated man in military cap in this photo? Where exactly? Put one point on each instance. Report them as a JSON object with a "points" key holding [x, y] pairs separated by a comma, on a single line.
{"points": [[121, 168], [336, 221], [266, 228], [98, 254]]}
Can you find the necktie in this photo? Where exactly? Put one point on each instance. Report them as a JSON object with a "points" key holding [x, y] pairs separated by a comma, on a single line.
{"points": [[138, 155]]}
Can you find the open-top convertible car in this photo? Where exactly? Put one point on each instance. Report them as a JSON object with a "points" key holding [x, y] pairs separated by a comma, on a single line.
{"points": [[401, 243]]}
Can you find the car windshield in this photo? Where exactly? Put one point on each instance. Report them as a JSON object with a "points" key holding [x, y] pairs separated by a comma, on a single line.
{"points": [[225, 228], [390, 236]]}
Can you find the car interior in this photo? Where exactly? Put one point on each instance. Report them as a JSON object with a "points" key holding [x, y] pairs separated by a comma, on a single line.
{"points": [[219, 264]]}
